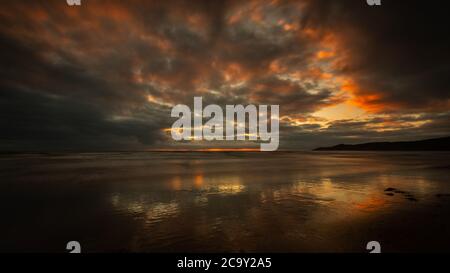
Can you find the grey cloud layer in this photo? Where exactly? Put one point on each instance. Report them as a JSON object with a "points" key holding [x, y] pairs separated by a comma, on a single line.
{"points": [[104, 76]]}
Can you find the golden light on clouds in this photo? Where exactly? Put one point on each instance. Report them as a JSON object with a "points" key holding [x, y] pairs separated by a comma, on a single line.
{"points": [[343, 111], [126, 63]]}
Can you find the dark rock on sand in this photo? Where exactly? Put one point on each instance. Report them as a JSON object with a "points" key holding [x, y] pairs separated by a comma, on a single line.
{"points": [[407, 195]]}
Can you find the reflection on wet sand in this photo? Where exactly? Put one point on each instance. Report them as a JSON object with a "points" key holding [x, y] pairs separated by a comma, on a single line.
{"points": [[195, 202]]}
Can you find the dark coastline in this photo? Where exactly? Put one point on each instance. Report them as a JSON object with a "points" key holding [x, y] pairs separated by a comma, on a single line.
{"points": [[437, 144]]}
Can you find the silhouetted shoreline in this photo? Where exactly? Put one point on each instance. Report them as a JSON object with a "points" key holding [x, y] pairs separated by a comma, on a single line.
{"points": [[437, 144]]}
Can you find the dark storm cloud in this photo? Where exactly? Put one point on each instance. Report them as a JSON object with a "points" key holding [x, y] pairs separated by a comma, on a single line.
{"points": [[397, 53], [37, 122], [104, 75], [54, 104], [293, 97]]}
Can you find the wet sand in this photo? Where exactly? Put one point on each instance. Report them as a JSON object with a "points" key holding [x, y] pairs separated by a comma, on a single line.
{"points": [[225, 202]]}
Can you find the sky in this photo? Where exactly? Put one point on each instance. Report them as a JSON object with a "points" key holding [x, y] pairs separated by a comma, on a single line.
{"points": [[105, 75]]}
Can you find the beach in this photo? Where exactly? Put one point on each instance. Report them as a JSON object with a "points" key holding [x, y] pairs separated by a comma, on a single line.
{"points": [[225, 201]]}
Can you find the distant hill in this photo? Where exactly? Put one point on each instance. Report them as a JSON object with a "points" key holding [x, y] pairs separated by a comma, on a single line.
{"points": [[437, 144]]}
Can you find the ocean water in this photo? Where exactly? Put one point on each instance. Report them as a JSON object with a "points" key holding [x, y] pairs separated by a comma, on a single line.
{"points": [[225, 201]]}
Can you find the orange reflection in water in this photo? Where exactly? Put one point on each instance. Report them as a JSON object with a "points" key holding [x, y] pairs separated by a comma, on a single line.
{"points": [[350, 198], [371, 204], [176, 183], [198, 180], [222, 184]]}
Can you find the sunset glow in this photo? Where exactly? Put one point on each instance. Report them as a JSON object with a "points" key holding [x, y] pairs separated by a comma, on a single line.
{"points": [[122, 68]]}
